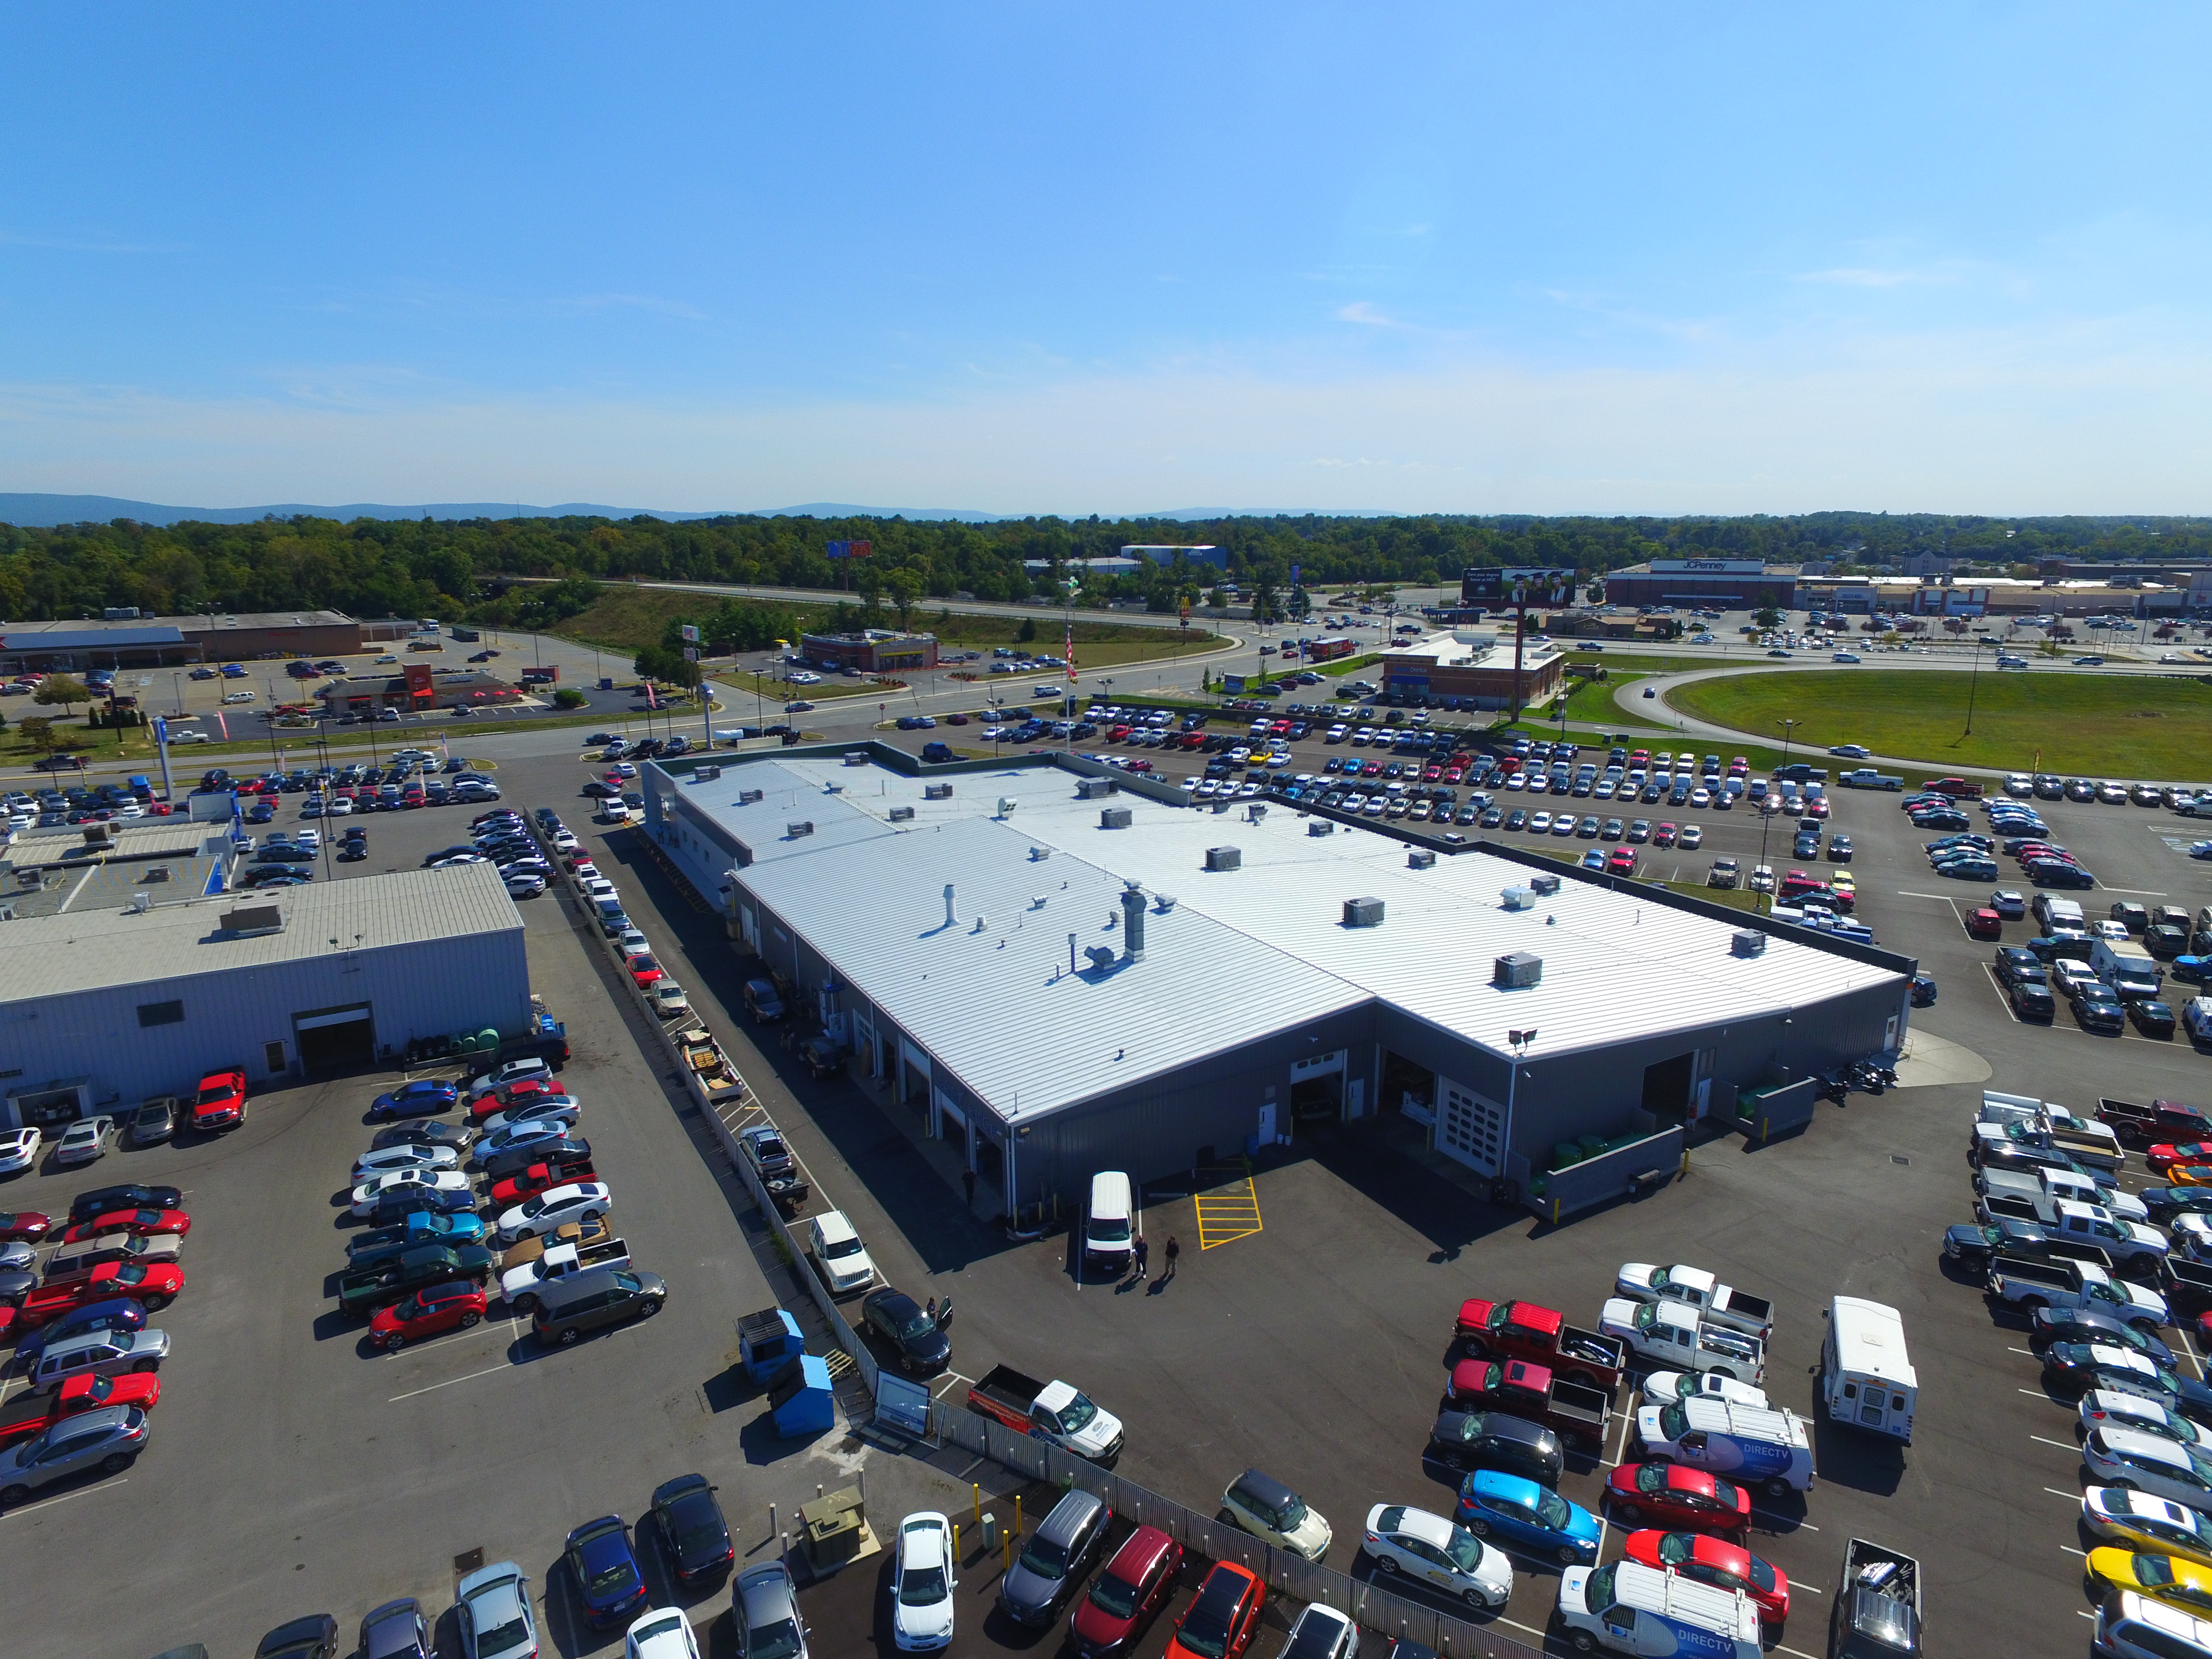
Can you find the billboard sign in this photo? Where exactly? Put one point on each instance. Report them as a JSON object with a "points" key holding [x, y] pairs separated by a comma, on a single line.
{"points": [[690, 633], [1487, 584], [420, 686], [851, 549]]}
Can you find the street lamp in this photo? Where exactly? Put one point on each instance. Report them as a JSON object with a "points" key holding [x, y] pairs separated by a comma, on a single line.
{"points": [[1973, 684]]}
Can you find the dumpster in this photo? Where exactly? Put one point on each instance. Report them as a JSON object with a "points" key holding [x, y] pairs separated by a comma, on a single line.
{"points": [[799, 1398], [767, 1342]]}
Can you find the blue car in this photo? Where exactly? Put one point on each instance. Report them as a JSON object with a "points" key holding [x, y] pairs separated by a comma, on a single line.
{"points": [[604, 1569], [424, 1097], [1923, 990], [1518, 1512], [121, 1314]]}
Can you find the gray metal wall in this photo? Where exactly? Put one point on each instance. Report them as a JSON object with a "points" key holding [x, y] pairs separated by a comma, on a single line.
{"points": [[414, 990]]}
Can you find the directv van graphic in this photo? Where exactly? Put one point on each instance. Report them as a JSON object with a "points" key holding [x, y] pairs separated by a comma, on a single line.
{"points": [[1630, 1608], [1758, 1447]]}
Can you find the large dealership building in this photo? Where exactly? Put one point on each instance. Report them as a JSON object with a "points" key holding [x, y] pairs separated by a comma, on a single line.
{"points": [[1062, 980], [1714, 583]]}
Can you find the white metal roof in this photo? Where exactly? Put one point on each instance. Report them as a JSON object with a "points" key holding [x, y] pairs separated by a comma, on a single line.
{"points": [[93, 950], [1244, 952]]}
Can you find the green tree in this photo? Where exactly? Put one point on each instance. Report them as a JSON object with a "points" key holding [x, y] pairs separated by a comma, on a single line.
{"points": [[61, 688], [1767, 616], [905, 586], [38, 730], [569, 697], [1026, 632]]}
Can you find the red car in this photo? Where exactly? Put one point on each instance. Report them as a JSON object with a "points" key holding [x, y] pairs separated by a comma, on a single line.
{"points": [[139, 1224], [493, 1101], [1222, 1618], [433, 1309], [24, 1224], [220, 1102], [154, 1284], [644, 970], [1715, 1561], [1984, 924], [1673, 1493], [537, 1178], [1621, 861], [2162, 1157], [1127, 1595]]}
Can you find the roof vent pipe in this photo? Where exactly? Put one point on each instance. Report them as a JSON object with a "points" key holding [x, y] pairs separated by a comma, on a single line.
{"points": [[952, 916], [1132, 923]]}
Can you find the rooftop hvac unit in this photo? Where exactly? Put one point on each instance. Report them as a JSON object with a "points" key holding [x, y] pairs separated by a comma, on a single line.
{"points": [[1093, 788], [747, 797], [1517, 969], [1545, 886], [1519, 898], [1006, 804], [1748, 942], [1321, 827], [1421, 857], [706, 773], [1254, 811], [1039, 855], [929, 792], [1164, 902], [1362, 913], [1224, 858], [856, 757], [251, 919], [796, 830], [901, 815], [140, 904], [833, 788], [156, 873], [1102, 956], [1223, 805], [1114, 817]]}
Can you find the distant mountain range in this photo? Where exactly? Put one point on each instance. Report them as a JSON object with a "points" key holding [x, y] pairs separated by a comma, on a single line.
{"points": [[46, 511]]}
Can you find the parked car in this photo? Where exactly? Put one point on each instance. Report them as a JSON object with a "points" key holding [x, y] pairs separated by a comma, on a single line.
{"points": [[922, 1583], [1222, 1617], [695, 1539], [108, 1439], [595, 1299], [1125, 1596], [1403, 1540]]}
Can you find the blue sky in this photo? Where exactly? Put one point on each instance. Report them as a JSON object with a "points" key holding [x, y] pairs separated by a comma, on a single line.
{"points": [[1063, 259]]}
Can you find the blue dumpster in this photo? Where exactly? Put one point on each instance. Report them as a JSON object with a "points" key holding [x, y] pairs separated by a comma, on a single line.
{"points": [[799, 1398], [767, 1342]]}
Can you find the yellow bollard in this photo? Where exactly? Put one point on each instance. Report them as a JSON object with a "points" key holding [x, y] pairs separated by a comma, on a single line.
{"points": [[1017, 1514], [956, 1541], [977, 1488]]}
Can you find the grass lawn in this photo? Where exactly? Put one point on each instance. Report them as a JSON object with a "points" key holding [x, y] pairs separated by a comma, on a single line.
{"points": [[2130, 727]]}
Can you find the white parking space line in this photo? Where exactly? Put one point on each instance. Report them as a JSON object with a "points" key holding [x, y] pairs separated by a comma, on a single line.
{"points": [[1795, 1653], [448, 1383], [2034, 1393], [29, 1509], [1790, 1521], [2070, 1550], [2028, 1351], [2133, 892], [2070, 1497], [2063, 1445]]}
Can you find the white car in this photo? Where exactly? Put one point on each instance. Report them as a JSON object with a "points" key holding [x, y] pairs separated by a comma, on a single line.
{"points": [[391, 1160], [2149, 1462], [366, 1196], [838, 1250], [513, 1071], [19, 1149], [632, 944], [459, 859], [1665, 1387], [85, 1139], [2108, 1408], [494, 1606], [664, 1633], [596, 886], [536, 1109], [580, 1201], [668, 999], [1844, 656], [1431, 1549], [923, 1584]]}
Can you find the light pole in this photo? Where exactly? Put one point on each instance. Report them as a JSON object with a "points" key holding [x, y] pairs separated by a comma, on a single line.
{"points": [[1973, 684]]}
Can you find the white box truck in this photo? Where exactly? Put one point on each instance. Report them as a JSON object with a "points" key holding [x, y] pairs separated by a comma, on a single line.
{"points": [[1867, 1378]]}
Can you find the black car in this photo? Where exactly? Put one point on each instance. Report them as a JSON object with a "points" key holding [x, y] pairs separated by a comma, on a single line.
{"points": [[2165, 1203], [2087, 1325], [107, 1200], [422, 1131], [909, 1330], [2013, 960], [2096, 1009], [2033, 1001], [315, 1636], [694, 1537], [2153, 1019], [396, 1630], [1923, 990], [2056, 872], [597, 791], [284, 853], [352, 852], [2055, 947], [1974, 1244], [570, 1152], [1493, 1440]]}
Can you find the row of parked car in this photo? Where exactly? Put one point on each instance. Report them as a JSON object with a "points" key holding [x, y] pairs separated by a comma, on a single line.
{"points": [[75, 1296], [2098, 1291]]}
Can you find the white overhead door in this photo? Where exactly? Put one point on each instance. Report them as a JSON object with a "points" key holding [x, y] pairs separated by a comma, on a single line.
{"points": [[1470, 1127]]}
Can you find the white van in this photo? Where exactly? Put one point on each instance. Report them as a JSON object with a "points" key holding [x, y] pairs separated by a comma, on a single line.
{"points": [[1632, 1609], [1754, 1445], [1867, 1378], [2130, 970], [2055, 913], [1110, 1229]]}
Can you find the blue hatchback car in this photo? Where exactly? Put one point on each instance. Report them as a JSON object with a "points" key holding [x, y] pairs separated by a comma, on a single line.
{"points": [[1523, 1515], [424, 1097], [604, 1568]]}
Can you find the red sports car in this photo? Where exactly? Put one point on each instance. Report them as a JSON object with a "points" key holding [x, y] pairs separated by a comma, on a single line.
{"points": [[2165, 1156], [1673, 1493], [537, 1178], [513, 1094], [139, 1224], [1715, 1561], [25, 1224], [644, 970], [433, 1309]]}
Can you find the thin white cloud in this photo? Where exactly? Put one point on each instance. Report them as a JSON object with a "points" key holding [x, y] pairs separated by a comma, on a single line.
{"points": [[1368, 316]]}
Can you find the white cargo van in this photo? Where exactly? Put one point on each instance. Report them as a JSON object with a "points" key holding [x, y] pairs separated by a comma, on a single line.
{"points": [[1751, 1444], [2130, 970], [1629, 1608], [1110, 1229], [1866, 1377], [2055, 913]]}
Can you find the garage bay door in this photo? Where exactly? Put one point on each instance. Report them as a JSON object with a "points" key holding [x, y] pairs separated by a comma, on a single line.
{"points": [[335, 1038]]}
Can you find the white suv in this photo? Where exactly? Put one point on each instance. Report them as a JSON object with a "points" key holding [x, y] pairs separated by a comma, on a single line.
{"points": [[837, 1250]]}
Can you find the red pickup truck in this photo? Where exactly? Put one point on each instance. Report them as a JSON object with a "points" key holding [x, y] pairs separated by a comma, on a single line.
{"points": [[1522, 1330], [220, 1102], [2162, 1120], [1517, 1386], [33, 1413], [154, 1286]]}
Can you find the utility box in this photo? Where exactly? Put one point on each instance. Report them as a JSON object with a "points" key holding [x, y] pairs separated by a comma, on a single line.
{"points": [[1223, 858], [1093, 788], [1544, 887], [1420, 858], [1517, 970], [794, 831], [1362, 913], [937, 791], [901, 815], [1114, 817], [856, 757], [767, 1342], [1321, 827], [1747, 942], [1519, 898]]}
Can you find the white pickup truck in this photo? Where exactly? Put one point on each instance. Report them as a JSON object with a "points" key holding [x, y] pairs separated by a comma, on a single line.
{"points": [[519, 1285], [1701, 1291], [1672, 1336], [2027, 1285]]}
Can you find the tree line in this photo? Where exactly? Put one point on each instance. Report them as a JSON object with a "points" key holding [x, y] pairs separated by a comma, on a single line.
{"points": [[388, 568]]}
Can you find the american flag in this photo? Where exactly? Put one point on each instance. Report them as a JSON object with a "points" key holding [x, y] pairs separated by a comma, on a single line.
{"points": [[1071, 650], [652, 698]]}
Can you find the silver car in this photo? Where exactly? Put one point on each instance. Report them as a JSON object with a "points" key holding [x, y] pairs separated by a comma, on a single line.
{"points": [[390, 1160], [765, 1607], [494, 1606], [98, 1353], [106, 1439], [86, 1140]]}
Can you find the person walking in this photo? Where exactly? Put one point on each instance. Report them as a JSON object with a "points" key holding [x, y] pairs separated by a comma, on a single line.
{"points": [[968, 1186], [1141, 1253], [1175, 1252]]}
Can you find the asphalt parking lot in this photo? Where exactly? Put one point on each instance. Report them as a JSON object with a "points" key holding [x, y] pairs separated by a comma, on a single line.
{"points": [[1337, 1309]]}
